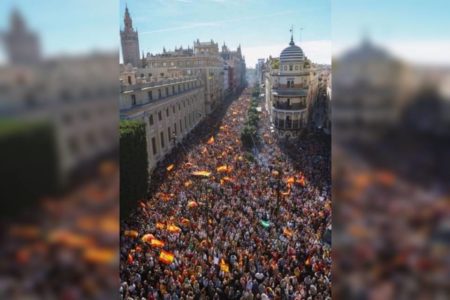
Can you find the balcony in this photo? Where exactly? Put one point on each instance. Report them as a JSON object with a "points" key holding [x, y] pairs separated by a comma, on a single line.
{"points": [[287, 124], [290, 107], [291, 92]]}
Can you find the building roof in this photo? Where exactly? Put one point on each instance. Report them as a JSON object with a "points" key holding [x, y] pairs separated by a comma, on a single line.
{"points": [[292, 53]]}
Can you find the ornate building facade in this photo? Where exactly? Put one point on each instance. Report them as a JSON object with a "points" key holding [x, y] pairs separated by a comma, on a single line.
{"points": [[291, 84], [236, 68], [202, 61], [129, 39], [170, 106]]}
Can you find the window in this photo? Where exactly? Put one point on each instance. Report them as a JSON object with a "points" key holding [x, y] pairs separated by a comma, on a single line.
{"points": [[285, 68], [185, 122], [167, 112], [173, 89], [173, 108], [179, 107], [169, 133], [154, 146], [159, 116], [181, 127], [150, 95], [175, 128], [133, 99], [159, 93], [296, 67], [162, 139], [167, 91], [129, 79], [150, 120], [149, 74], [290, 67]]}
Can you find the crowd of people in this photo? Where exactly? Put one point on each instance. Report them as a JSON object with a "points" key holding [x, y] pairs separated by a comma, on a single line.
{"points": [[222, 223], [65, 246]]}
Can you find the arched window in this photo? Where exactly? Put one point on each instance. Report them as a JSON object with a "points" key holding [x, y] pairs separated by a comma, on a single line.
{"points": [[291, 67], [129, 79]]}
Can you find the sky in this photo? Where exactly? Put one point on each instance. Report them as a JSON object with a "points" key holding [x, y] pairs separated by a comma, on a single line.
{"points": [[69, 26], [414, 30], [260, 27]]}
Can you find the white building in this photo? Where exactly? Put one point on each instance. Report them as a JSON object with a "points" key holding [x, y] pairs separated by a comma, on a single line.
{"points": [[290, 87]]}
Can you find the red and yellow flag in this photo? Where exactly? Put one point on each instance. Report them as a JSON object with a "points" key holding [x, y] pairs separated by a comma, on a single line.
{"points": [[291, 180], [131, 233], [185, 221], [287, 232], [173, 228], [223, 169], [166, 257], [192, 204], [170, 167], [157, 243], [160, 225], [201, 173], [210, 141], [147, 237], [224, 267]]}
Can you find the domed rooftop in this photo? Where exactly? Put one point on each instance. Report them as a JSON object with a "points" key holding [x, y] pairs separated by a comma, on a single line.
{"points": [[292, 53]]}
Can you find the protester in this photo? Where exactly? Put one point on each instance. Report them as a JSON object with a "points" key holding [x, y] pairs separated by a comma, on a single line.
{"points": [[245, 227]]}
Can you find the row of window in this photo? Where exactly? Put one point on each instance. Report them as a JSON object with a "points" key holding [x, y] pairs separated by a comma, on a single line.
{"points": [[176, 89], [291, 67], [178, 64], [187, 102], [172, 132]]}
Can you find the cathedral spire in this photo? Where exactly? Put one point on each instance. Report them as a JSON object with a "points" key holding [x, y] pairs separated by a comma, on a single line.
{"points": [[127, 20]]}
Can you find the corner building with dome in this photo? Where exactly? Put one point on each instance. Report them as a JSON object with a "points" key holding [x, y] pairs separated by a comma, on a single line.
{"points": [[289, 86]]}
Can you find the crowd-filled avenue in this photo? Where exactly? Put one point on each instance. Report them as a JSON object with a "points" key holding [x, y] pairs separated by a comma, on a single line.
{"points": [[224, 223]]}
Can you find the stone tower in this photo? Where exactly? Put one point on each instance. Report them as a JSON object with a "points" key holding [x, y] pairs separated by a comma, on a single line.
{"points": [[22, 45], [130, 42]]}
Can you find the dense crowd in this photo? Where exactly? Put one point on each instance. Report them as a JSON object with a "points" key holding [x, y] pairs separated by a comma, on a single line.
{"points": [[222, 223], [65, 246]]}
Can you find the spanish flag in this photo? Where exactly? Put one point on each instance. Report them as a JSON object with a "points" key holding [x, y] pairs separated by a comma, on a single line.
{"points": [[210, 141], [147, 238], [222, 169], [201, 173], [301, 181], [287, 232], [157, 243], [131, 233], [308, 261], [160, 225], [166, 257], [291, 180], [130, 259], [173, 228], [192, 204], [170, 167], [224, 267], [99, 255]]}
